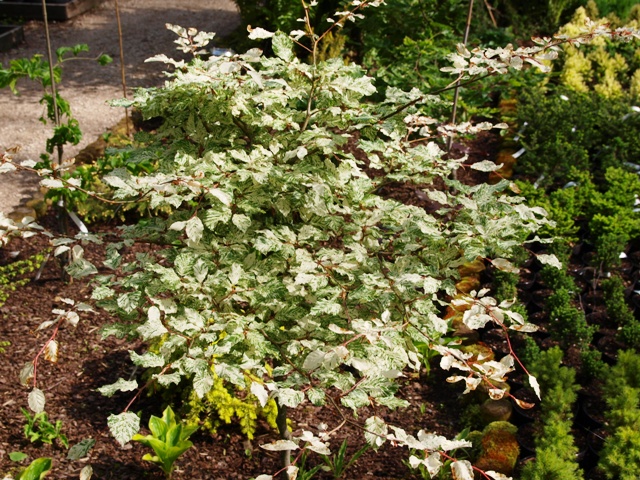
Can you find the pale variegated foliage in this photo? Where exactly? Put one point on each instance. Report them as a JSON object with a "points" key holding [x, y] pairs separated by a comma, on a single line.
{"points": [[283, 265]]}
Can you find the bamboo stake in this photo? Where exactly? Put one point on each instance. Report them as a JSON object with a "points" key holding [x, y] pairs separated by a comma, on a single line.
{"points": [[122, 67], [56, 115], [54, 95]]}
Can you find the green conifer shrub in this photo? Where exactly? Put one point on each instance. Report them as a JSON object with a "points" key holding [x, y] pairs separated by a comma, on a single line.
{"points": [[620, 456], [555, 447]]}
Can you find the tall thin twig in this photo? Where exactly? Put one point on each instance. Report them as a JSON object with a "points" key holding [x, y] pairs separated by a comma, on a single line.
{"points": [[456, 94], [490, 10], [56, 116], [122, 67], [54, 96]]}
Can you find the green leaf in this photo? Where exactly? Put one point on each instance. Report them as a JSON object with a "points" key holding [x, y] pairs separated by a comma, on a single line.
{"points": [[241, 221], [486, 166], [202, 381], [104, 59], [122, 102], [168, 440], [375, 431], [18, 456], [194, 229], [129, 301], [147, 360], [159, 427], [549, 259], [316, 396], [81, 268], [283, 46], [37, 470], [102, 292], [81, 449], [124, 426]]}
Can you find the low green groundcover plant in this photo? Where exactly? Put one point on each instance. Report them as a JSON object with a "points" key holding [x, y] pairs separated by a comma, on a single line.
{"points": [[39, 429]]}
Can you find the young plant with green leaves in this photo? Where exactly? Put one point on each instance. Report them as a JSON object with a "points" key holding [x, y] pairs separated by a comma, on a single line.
{"points": [[339, 462], [66, 128], [169, 439], [39, 429]]}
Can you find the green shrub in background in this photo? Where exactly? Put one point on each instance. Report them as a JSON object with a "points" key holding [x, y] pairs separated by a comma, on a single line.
{"points": [[608, 68], [402, 44], [609, 207], [569, 132], [623, 9], [535, 17], [88, 206], [620, 456], [567, 323], [555, 447], [284, 15], [619, 312]]}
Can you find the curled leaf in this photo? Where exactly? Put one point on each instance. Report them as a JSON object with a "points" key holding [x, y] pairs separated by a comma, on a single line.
{"points": [[462, 470], [51, 351], [496, 393], [26, 374], [486, 166], [522, 404], [505, 265], [549, 259], [280, 446], [259, 33], [86, 473]]}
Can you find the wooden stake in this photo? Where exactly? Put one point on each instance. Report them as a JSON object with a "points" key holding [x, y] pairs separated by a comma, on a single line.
{"points": [[122, 68]]}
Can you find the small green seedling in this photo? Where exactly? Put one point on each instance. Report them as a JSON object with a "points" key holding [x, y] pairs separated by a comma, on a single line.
{"points": [[37, 470], [39, 429], [338, 463], [168, 440], [303, 472]]}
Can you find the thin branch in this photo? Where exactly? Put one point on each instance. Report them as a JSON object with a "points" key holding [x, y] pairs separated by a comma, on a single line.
{"points": [[456, 95], [122, 66], [54, 95], [490, 10]]}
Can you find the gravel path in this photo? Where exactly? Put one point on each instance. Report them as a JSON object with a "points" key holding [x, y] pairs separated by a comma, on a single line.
{"points": [[88, 86]]}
